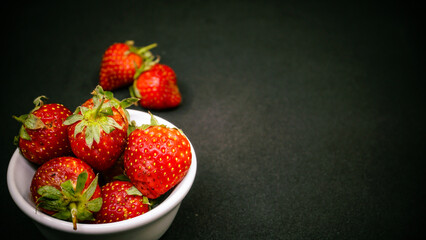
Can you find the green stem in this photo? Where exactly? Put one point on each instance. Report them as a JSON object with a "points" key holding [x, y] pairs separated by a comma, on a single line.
{"points": [[21, 119], [98, 109], [73, 210], [146, 48]]}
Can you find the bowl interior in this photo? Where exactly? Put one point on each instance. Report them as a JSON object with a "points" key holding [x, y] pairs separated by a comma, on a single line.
{"points": [[21, 171]]}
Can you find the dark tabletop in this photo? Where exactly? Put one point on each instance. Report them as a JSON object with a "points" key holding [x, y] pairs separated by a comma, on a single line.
{"points": [[307, 118]]}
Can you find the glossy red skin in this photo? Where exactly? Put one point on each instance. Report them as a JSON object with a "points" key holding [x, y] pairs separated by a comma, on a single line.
{"points": [[58, 170], [158, 88], [156, 159], [118, 205], [48, 142], [104, 154], [118, 67]]}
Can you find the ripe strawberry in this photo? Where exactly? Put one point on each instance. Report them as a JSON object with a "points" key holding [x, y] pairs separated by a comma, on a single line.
{"points": [[98, 129], [120, 63], [66, 188], [157, 88], [43, 135], [121, 201], [156, 158]]}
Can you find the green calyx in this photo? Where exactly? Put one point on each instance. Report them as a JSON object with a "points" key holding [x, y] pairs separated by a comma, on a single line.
{"points": [[154, 122], [30, 121], [149, 59], [135, 192], [71, 203], [97, 119]]}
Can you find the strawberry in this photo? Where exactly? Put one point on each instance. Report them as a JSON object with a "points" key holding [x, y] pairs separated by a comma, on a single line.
{"points": [[157, 88], [156, 158], [120, 63], [121, 201], [43, 135], [66, 188], [98, 129]]}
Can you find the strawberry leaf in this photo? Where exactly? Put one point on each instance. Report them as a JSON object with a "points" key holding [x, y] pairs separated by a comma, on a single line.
{"points": [[99, 93], [68, 189], [107, 128], [113, 123], [96, 132], [127, 115], [79, 128], [21, 118], [109, 95], [64, 215], [24, 134], [38, 102], [154, 121], [134, 191], [145, 200], [133, 91], [49, 192], [92, 134], [122, 177], [107, 111], [144, 126], [125, 103], [33, 122], [83, 214], [81, 182], [51, 199], [95, 204], [131, 128], [52, 205], [73, 119], [16, 140], [90, 189], [83, 110]]}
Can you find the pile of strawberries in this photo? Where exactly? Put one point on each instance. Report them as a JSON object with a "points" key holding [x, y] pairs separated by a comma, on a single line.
{"points": [[95, 165], [153, 83]]}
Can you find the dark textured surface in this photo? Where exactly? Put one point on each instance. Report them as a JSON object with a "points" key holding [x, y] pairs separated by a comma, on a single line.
{"points": [[308, 118]]}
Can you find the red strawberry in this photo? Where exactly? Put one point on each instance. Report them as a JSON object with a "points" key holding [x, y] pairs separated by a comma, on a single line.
{"points": [[156, 158], [66, 188], [120, 63], [157, 88], [43, 135], [121, 201], [98, 129]]}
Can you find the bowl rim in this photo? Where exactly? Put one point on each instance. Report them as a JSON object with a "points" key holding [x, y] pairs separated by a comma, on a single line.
{"points": [[173, 200]]}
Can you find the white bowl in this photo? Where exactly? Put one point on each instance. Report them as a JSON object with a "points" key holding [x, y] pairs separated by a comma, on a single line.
{"points": [[151, 225]]}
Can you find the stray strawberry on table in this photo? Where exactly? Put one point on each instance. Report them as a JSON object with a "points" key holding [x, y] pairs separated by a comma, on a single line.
{"points": [[157, 88], [122, 61]]}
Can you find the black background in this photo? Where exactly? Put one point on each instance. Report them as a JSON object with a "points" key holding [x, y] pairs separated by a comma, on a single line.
{"points": [[307, 117]]}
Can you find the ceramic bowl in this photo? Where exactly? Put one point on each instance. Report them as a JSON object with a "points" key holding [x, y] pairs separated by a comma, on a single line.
{"points": [[151, 225]]}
